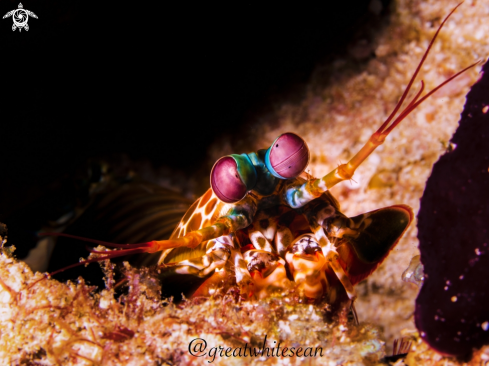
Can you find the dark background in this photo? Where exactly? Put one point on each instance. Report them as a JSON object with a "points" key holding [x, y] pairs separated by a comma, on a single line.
{"points": [[159, 82]]}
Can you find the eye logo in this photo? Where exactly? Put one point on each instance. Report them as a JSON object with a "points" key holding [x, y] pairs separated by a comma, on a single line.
{"points": [[20, 17]]}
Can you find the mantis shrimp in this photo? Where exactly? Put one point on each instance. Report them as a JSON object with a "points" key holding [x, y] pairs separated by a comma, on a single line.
{"points": [[305, 229]]}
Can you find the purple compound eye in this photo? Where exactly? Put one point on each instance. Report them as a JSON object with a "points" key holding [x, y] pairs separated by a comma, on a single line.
{"points": [[226, 182], [288, 156]]}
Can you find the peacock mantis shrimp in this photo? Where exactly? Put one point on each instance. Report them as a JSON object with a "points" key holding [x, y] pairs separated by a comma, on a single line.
{"points": [[305, 229]]}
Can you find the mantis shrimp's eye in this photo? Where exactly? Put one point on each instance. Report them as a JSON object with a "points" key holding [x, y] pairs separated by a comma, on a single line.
{"points": [[232, 177], [288, 156]]}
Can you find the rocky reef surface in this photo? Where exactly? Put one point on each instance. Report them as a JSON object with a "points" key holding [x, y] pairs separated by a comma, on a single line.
{"points": [[46, 322]]}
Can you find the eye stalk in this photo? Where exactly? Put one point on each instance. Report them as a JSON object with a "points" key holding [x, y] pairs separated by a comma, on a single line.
{"points": [[288, 156], [232, 177]]}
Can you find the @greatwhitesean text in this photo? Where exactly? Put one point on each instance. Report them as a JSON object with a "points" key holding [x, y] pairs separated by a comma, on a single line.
{"points": [[198, 348]]}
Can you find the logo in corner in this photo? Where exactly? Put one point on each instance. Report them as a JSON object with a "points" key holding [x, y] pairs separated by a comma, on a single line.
{"points": [[20, 17]]}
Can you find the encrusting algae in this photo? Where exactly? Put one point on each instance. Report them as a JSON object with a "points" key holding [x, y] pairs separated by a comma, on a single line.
{"points": [[46, 322]]}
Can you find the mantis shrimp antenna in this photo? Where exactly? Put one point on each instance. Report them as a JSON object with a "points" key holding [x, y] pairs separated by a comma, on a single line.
{"points": [[346, 171], [125, 249]]}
